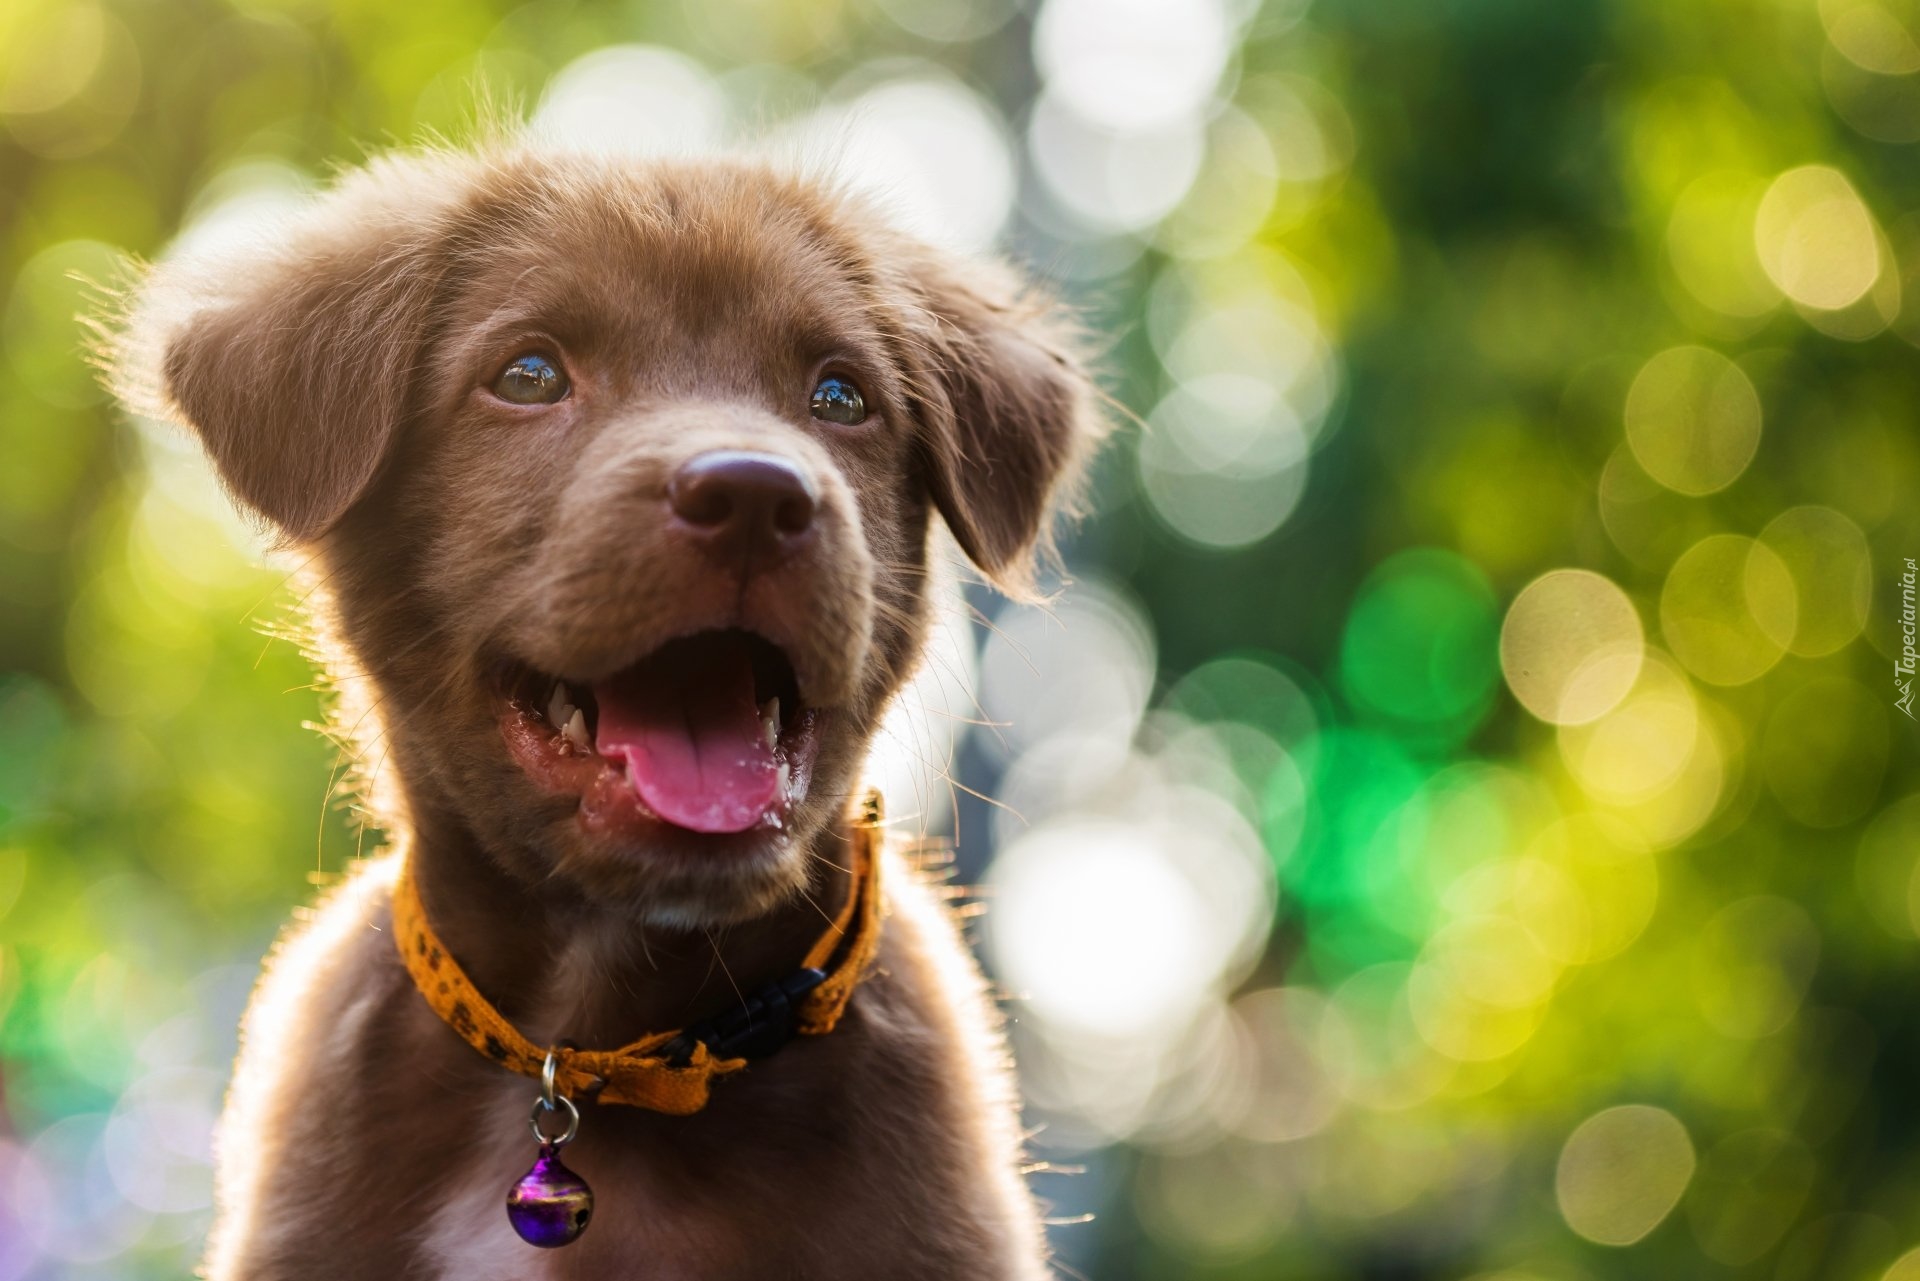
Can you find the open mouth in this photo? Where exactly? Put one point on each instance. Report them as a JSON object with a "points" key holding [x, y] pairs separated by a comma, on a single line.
{"points": [[706, 733]]}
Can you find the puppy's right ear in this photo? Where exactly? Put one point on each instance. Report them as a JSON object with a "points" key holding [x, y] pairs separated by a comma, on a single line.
{"points": [[296, 367], [1007, 410]]}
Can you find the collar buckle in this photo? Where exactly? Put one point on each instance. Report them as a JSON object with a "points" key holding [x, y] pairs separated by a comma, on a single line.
{"points": [[752, 1031]]}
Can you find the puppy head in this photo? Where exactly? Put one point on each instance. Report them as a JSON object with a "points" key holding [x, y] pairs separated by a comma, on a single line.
{"points": [[619, 482]]}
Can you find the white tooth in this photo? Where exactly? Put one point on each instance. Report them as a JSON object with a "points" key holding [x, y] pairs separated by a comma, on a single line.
{"points": [[782, 779], [557, 705], [576, 730], [770, 720]]}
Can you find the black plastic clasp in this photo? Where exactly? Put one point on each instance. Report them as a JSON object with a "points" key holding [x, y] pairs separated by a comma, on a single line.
{"points": [[753, 1031]]}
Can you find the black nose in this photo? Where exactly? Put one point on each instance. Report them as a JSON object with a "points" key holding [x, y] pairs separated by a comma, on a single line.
{"points": [[744, 502]]}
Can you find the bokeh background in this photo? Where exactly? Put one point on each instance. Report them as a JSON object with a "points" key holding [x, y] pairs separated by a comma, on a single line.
{"points": [[1458, 823]]}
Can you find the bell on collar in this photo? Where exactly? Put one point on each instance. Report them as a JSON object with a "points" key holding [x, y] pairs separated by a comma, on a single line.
{"points": [[550, 1205]]}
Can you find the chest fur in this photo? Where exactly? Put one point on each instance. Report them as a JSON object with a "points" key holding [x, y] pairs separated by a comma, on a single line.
{"points": [[886, 1148]]}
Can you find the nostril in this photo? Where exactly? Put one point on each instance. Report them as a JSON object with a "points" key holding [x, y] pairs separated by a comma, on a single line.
{"points": [[793, 514], [698, 501]]}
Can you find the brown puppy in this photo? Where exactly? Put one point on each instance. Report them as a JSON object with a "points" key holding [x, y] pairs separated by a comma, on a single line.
{"points": [[653, 444]]}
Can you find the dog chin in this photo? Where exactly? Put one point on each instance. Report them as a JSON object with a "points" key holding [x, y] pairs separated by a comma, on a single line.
{"points": [[672, 878]]}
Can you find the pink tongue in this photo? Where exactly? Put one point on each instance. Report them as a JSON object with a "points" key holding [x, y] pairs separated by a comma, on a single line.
{"points": [[686, 724]]}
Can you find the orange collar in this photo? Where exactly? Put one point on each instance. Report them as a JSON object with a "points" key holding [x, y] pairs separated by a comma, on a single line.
{"points": [[664, 1071]]}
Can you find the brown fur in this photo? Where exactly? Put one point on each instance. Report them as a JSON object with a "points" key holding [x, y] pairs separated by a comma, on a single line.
{"points": [[338, 383]]}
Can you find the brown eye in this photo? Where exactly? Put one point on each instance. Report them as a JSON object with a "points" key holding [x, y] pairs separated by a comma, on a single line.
{"points": [[531, 380], [837, 400]]}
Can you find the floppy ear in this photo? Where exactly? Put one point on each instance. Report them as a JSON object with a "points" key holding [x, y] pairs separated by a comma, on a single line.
{"points": [[1007, 414], [295, 366]]}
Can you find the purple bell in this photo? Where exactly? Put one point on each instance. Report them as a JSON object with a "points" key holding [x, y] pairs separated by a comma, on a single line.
{"points": [[550, 1205]]}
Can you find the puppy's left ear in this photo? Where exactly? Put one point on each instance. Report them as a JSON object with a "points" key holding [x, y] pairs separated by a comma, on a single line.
{"points": [[1007, 413], [295, 362]]}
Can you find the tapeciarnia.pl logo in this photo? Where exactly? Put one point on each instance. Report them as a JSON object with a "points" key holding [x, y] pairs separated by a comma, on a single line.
{"points": [[1903, 666]]}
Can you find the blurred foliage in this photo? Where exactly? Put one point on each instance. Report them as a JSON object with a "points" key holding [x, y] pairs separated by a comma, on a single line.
{"points": [[1597, 908]]}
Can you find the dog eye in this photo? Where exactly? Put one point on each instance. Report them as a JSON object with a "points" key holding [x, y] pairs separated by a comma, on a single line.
{"points": [[838, 401], [531, 380]]}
